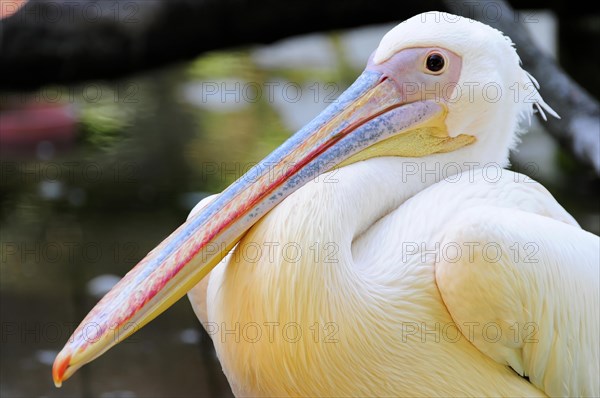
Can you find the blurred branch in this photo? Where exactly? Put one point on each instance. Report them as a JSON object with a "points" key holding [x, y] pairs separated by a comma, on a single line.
{"points": [[579, 126], [64, 41]]}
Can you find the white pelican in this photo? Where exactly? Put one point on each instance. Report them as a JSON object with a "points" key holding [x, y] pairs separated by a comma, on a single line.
{"points": [[379, 252]]}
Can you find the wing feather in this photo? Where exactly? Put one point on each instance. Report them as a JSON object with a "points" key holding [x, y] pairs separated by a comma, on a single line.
{"points": [[527, 295]]}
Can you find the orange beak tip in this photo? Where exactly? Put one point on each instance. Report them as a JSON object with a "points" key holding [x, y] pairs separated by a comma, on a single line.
{"points": [[61, 363]]}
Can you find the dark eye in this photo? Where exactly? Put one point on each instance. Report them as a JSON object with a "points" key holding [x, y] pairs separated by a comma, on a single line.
{"points": [[435, 62]]}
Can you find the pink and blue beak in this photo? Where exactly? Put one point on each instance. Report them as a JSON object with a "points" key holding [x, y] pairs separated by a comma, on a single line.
{"points": [[373, 110]]}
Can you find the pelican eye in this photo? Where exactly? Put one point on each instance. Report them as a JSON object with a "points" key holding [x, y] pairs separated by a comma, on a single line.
{"points": [[435, 63]]}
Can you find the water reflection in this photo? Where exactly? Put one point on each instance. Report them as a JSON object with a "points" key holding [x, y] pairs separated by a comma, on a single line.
{"points": [[123, 163]]}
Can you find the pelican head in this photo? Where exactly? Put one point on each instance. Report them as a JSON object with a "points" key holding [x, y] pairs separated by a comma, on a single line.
{"points": [[437, 84], [492, 95]]}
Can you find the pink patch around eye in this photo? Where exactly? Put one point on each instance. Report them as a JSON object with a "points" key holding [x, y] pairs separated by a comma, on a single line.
{"points": [[407, 69]]}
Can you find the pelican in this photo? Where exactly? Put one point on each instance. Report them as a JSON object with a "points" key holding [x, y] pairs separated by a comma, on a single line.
{"points": [[383, 250]]}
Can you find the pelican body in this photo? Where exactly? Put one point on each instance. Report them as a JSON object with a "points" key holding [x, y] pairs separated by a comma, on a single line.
{"points": [[383, 250]]}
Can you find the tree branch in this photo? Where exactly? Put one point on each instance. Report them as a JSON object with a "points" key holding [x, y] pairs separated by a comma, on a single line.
{"points": [[579, 126], [65, 41]]}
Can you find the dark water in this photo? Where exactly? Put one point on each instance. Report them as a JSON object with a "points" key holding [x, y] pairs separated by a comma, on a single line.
{"points": [[94, 206], [144, 150]]}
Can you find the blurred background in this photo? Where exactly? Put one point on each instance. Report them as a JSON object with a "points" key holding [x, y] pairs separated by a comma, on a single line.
{"points": [[99, 163]]}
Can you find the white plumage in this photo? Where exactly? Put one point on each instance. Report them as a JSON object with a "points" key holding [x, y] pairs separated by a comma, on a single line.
{"points": [[411, 280]]}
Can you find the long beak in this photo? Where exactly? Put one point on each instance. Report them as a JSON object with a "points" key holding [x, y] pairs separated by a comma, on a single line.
{"points": [[371, 114]]}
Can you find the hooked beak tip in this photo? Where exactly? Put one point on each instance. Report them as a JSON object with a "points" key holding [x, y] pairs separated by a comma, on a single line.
{"points": [[61, 363]]}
